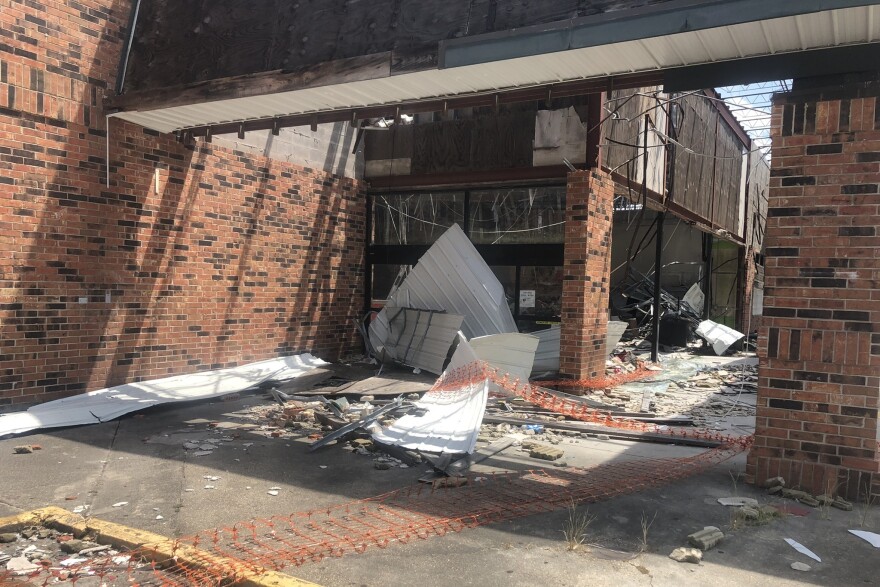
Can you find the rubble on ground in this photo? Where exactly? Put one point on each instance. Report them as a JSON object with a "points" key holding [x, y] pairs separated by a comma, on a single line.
{"points": [[63, 558]]}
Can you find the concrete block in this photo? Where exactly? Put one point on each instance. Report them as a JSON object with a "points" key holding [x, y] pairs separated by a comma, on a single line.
{"points": [[544, 452], [706, 538]]}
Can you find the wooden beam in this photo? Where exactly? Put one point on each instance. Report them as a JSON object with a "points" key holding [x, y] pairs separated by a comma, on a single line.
{"points": [[340, 71]]}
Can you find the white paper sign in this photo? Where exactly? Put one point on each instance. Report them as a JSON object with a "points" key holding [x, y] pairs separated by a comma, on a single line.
{"points": [[526, 298]]}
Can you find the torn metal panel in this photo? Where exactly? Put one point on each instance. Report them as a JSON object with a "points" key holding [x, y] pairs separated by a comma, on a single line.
{"points": [[616, 328], [448, 421], [451, 277], [110, 403], [547, 354], [421, 338], [512, 353], [721, 337]]}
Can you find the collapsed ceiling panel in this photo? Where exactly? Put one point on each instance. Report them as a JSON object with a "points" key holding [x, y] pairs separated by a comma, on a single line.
{"points": [[451, 277]]}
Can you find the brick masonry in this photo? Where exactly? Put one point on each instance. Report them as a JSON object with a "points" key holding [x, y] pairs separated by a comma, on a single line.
{"points": [[819, 346], [190, 260], [587, 273]]}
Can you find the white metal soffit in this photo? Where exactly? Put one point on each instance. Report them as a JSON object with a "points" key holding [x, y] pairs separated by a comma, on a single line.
{"points": [[107, 404], [450, 277], [826, 29]]}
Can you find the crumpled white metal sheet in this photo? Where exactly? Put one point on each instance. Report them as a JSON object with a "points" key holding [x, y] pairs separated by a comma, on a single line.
{"points": [[721, 337], [448, 421], [110, 403], [511, 353], [451, 277]]}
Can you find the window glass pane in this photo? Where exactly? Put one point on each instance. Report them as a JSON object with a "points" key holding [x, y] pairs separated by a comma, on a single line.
{"points": [[507, 276], [518, 215], [384, 277], [540, 288], [415, 219]]}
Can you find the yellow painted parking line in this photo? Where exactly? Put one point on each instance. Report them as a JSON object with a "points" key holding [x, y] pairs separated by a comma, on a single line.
{"points": [[153, 546]]}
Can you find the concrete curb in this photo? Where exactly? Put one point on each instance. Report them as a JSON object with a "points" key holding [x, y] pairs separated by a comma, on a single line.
{"points": [[154, 546]]}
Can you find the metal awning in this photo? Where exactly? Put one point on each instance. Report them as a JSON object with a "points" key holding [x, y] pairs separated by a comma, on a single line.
{"points": [[580, 49]]}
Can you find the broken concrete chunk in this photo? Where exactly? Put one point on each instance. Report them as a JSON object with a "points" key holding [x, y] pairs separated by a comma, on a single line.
{"points": [[546, 453], [773, 482], [22, 450], [842, 504], [776, 489], [8, 537], [706, 538], [20, 565], [801, 566], [364, 443], [801, 496], [382, 466], [76, 546], [687, 555], [738, 501]]}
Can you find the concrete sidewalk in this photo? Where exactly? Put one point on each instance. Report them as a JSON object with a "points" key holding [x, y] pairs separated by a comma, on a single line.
{"points": [[141, 460]]}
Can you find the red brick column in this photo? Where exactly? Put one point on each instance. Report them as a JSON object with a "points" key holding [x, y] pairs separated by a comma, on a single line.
{"points": [[819, 342], [588, 218]]}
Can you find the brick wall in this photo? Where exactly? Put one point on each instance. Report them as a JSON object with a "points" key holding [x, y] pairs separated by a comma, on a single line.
{"points": [[589, 205], [820, 339], [190, 260]]}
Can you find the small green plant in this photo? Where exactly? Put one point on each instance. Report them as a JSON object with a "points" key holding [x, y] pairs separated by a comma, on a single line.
{"points": [[575, 528], [646, 527]]}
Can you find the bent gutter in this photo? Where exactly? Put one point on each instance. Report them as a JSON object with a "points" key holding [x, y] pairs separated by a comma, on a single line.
{"points": [[624, 25]]}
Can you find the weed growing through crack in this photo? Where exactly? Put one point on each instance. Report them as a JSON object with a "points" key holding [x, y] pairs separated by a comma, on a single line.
{"points": [[734, 477], [575, 528], [865, 507], [646, 527]]}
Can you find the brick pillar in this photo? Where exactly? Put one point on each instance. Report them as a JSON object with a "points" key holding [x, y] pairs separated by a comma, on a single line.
{"points": [[819, 344], [587, 273]]}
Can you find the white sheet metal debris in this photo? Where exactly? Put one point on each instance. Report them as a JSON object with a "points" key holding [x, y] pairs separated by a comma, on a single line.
{"points": [[616, 328], [110, 403], [450, 277], [871, 537], [421, 338], [547, 354], [721, 337], [446, 421], [695, 298], [803, 549], [511, 353]]}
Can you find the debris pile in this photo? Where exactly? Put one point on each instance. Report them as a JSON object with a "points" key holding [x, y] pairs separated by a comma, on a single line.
{"points": [[38, 551]]}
